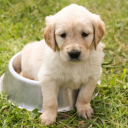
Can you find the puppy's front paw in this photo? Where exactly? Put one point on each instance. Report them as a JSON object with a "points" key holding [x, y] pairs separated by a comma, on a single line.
{"points": [[48, 118], [84, 110]]}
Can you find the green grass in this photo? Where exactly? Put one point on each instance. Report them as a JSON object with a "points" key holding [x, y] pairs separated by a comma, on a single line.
{"points": [[22, 21]]}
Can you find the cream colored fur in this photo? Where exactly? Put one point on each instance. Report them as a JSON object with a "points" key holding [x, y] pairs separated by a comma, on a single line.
{"points": [[48, 61]]}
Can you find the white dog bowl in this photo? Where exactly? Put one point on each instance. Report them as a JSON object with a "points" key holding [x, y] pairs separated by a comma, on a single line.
{"points": [[27, 93]]}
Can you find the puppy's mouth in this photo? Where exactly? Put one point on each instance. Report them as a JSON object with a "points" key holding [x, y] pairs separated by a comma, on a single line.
{"points": [[74, 60]]}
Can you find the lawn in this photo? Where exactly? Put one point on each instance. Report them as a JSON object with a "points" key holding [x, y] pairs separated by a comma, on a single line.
{"points": [[22, 21]]}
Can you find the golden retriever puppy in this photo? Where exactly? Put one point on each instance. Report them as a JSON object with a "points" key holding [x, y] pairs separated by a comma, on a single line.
{"points": [[69, 56]]}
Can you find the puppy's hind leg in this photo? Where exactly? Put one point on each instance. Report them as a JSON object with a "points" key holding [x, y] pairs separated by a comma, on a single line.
{"points": [[50, 90]]}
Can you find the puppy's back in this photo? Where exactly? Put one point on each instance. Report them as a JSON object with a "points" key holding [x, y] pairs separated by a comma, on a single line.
{"points": [[31, 59]]}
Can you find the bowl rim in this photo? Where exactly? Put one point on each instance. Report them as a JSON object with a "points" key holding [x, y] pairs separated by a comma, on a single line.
{"points": [[15, 74]]}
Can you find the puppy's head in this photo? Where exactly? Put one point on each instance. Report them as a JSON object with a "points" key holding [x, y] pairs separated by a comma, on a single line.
{"points": [[74, 32]]}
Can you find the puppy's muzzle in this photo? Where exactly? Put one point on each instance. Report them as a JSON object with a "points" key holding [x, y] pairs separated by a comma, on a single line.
{"points": [[74, 54]]}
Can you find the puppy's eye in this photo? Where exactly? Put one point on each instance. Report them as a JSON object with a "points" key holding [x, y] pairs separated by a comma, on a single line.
{"points": [[63, 35], [84, 34]]}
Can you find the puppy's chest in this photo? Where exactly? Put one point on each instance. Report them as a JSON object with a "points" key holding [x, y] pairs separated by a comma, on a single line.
{"points": [[73, 77]]}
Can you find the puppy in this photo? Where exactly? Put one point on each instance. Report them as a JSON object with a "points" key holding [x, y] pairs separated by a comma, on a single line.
{"points": [[69, 56]]}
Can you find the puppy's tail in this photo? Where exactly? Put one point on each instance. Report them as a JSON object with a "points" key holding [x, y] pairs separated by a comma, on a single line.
{"points": [[17, 64], [21, 73]]}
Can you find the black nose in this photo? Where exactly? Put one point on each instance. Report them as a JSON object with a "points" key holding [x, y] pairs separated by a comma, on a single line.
{"points": [[74, 54]]}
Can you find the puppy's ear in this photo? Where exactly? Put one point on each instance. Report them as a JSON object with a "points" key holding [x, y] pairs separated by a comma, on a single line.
{"points": [[99, 31], [49, 36]]}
